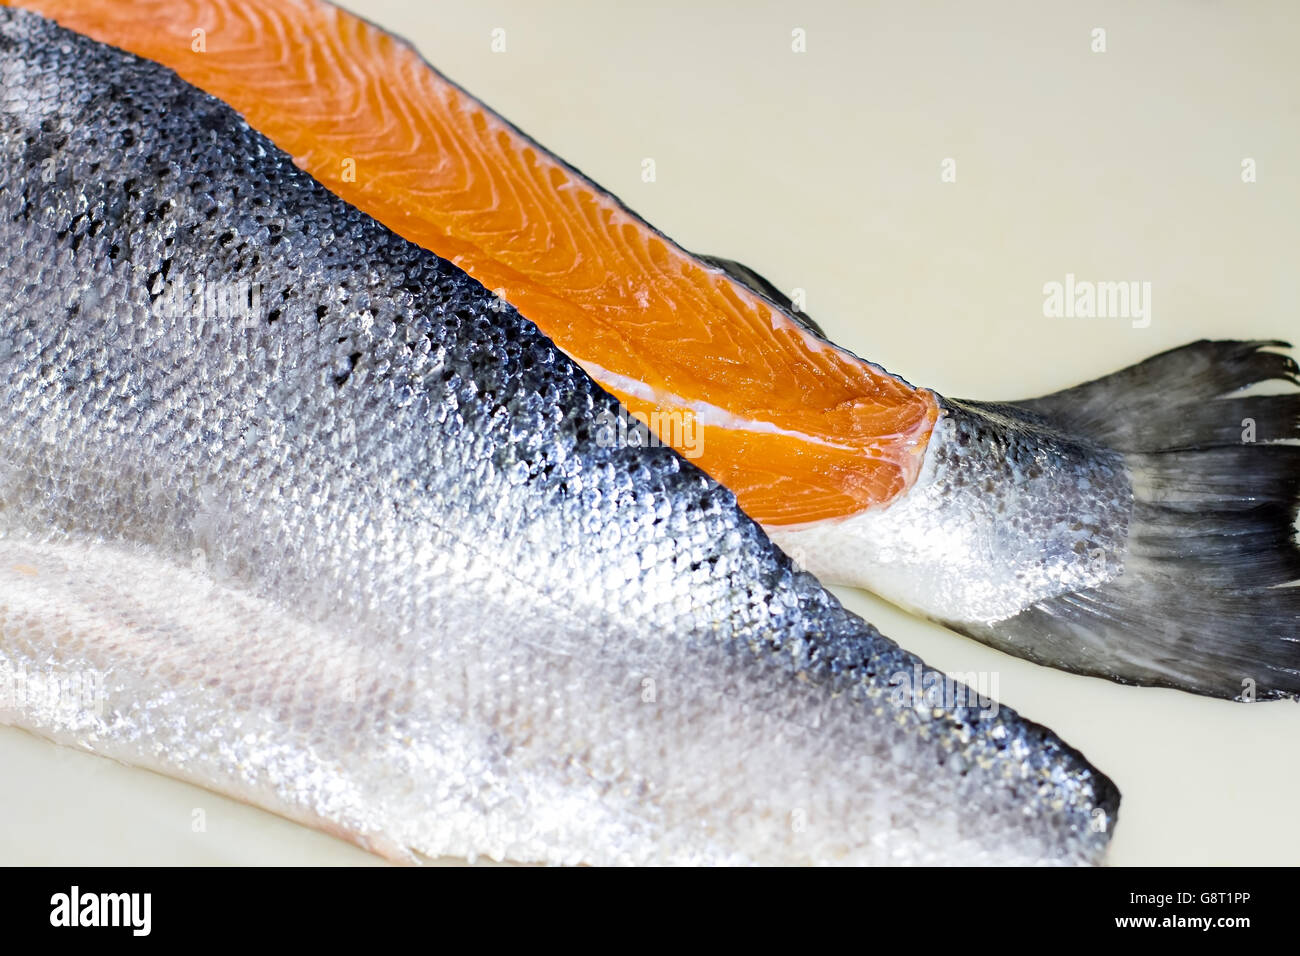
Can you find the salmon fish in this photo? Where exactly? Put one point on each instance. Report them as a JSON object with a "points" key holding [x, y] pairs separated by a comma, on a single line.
{"points": [[1122, 529], [299, 511]]}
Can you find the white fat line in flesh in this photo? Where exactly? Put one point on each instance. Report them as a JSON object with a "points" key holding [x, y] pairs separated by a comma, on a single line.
{"points": [[704, 412]]}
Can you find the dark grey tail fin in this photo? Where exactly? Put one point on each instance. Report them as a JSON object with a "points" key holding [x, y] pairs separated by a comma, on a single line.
{"points": [[1209, 600]]}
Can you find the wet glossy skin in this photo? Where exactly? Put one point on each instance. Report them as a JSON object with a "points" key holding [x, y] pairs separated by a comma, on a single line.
{"points": [[354, 553]]}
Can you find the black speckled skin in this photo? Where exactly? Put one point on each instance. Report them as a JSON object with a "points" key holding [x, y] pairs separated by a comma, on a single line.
{"points": [[393, 478]]}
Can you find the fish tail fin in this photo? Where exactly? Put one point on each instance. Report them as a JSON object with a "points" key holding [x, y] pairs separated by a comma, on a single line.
{"points": [[1208, 600]]}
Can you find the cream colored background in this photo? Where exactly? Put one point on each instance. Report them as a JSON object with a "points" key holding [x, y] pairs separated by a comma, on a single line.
{"points": [[822, 170]]}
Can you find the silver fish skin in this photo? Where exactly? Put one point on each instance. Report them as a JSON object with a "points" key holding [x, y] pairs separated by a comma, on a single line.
{"points": [[1123, 528], [295, 510]]}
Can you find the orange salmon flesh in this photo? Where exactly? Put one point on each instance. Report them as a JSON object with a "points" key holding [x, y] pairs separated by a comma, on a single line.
{"points": [[798, 429]]}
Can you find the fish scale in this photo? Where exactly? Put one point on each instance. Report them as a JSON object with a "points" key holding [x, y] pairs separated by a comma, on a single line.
{"points": [[421, 605]]}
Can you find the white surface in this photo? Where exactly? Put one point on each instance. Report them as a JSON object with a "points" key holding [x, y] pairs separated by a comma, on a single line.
{"points": [[822, 170]]}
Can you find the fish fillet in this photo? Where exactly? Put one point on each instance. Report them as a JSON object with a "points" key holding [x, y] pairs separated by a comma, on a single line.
{"points": [[1054, 529], [300, 511]]}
